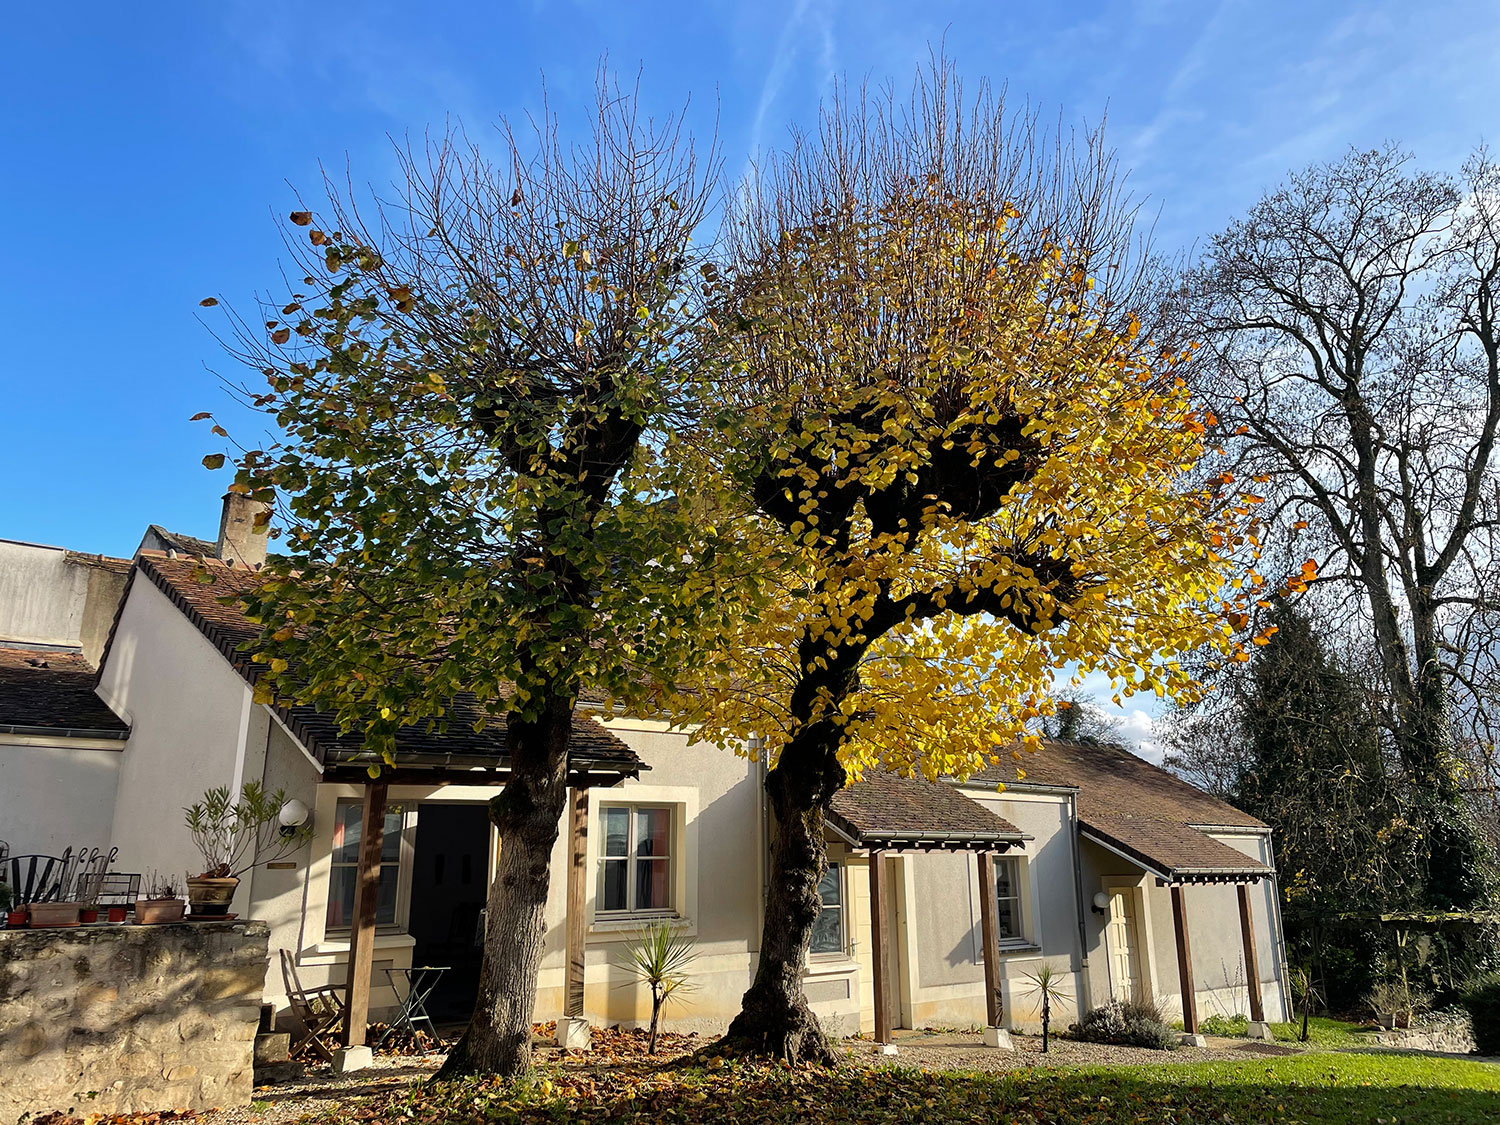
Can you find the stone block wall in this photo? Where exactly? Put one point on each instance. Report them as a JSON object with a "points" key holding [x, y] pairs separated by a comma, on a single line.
{"points": [[129, 1019]]}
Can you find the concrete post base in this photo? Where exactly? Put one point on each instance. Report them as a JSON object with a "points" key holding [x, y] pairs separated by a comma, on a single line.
{"points": [[346, 1059], [884, 1049], [1194, 1041], [573, 1033], [1258, 1030], [998, 1037]]}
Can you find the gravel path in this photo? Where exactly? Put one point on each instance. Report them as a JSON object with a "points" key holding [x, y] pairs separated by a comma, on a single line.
{"points": [[966, 1051]]}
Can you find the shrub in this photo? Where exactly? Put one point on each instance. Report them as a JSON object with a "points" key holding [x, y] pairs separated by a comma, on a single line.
{"points": [[1127, 1023], [1482, 999], [1227, 1027]]}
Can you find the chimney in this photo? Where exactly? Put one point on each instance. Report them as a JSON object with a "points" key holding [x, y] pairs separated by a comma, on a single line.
{"points": [[240, 541]]}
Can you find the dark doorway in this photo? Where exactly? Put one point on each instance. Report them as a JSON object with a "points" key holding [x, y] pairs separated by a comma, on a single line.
{"points": [[450, 868]]}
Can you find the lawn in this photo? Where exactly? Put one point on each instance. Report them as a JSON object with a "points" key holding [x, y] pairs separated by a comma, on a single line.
{"points": [[1323, 1087]]}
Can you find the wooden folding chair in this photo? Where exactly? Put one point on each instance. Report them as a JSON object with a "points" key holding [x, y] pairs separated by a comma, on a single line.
{"points": [[319, 1011]]}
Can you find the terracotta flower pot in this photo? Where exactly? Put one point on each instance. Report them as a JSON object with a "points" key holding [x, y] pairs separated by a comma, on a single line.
{"points": [[155, 911], [117, 913], [53, 914], [88, 917], [16, 919], [211, 896]]}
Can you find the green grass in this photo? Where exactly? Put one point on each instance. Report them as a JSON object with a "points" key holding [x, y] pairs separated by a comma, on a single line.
{"points": [[1317, 1088], [1321, 1031], [1325, 1087]]}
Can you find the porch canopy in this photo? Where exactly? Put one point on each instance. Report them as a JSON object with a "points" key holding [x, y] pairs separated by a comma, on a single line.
{"points": [[1179, 855], [454, 753], [883, 813]]}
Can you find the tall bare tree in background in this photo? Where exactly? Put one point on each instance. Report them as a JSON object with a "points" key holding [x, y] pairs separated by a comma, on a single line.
{"points": [[1352, 353]]}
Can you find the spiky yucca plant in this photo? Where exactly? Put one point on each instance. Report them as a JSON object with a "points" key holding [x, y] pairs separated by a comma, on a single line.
{"points": [[659, 958]]}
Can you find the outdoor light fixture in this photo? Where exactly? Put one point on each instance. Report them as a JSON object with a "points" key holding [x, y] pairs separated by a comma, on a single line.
{"points": [[1101, 902], [293, 815]]}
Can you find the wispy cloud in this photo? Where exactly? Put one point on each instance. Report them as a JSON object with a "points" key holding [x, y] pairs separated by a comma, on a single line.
{"points": [[810, 22]]}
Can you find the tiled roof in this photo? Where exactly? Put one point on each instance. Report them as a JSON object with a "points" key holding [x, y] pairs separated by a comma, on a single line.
{"points": [[99, 562], [53, 692], [592, 748], [1111, 781], [176, 541], [1172, 851], [1141, 810], [885, 811]]}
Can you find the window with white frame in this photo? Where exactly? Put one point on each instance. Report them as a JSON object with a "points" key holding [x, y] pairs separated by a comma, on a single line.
{"points": [[828, 930], [636, 873], [344, 874], [1008, 921]]}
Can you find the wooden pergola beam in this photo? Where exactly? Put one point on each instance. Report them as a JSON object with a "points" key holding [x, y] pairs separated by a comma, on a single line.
{"points": [[1252, 958], [578, 853], [880, 942], [366, 903], [988, 933], [1184, 962]]}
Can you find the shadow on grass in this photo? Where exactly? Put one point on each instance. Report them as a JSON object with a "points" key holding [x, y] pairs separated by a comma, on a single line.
{"points": [[1334, 1089]]}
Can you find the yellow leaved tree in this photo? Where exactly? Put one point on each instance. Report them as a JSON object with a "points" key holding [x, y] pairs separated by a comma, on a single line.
{"points": [[969, 458]]}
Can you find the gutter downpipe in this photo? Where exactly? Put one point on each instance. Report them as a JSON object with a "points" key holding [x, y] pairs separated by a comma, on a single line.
{"points": [[1282, 969], [1083, 946]]}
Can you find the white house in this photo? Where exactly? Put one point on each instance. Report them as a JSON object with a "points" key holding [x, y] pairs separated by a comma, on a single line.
{"points": [[1124, 878]]}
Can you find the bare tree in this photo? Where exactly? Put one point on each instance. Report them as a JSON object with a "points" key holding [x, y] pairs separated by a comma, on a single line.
{"points": [[1353, 358]]}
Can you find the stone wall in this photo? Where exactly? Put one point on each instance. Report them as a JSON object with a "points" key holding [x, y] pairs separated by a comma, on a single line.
{"points": [[127, 1019]]}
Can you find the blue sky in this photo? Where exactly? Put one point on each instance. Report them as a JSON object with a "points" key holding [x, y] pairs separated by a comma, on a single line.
{"points": [[148, 150]]}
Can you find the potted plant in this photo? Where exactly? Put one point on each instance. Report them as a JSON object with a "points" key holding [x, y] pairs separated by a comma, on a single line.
{"points": [[88, 914], [46, 914], [14, 917], [163, 902], [234, 837]]}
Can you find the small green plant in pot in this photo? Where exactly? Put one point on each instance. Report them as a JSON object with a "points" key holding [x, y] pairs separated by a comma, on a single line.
{"points": [[659, 958], [235, 836]]}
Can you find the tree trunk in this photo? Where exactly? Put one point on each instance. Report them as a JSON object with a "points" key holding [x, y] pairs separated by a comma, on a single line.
{"points": [[528, 813], [774, 1017], [655, 1019], [1046, 1022]]}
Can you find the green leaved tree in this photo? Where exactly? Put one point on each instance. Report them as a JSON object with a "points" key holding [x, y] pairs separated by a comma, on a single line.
{"points": [[485, 391]]}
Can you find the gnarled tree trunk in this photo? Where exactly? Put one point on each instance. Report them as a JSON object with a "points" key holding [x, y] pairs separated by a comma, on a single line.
{"points": [[774, 1015], [528, 813]]}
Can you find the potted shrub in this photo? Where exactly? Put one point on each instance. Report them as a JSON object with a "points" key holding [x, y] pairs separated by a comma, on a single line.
{"points": [[233, 837], [163, 902]]}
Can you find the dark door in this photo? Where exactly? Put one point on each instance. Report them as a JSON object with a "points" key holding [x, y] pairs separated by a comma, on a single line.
{"points": [[450, 868]]}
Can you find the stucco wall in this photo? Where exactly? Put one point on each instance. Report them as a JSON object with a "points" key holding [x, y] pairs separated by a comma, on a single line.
{"points": [[128, 1019], [187, 708], [56, 793], [51, 596]]}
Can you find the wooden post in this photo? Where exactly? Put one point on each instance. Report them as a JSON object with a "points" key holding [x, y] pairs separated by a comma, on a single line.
{"points": [[1252, 961], [987, 934], [1184, 962], [881, 951], [578, 854], [366, 901]]}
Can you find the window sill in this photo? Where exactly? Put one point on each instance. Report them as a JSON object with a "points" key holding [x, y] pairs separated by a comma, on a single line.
{"points": [[336, 945], [1020, 949], [829, 964], [629, 923]]}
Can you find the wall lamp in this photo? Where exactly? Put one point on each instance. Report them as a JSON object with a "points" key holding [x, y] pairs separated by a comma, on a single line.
{"points": [[1100, 905], [293, 815]]}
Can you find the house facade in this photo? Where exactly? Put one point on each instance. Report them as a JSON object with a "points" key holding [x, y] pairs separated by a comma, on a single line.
{"points": [[1097, 863]]}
